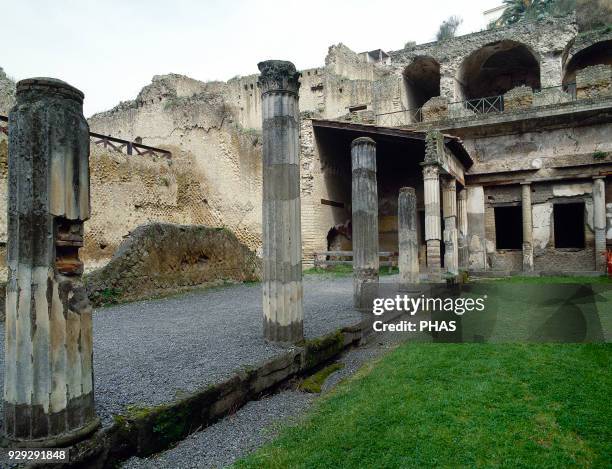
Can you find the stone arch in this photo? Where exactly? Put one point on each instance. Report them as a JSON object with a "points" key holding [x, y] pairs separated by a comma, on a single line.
{"points": [[496, 68], [599, 53], [421, 81]]}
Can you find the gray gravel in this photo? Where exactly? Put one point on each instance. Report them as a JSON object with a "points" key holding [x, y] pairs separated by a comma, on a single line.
{"points": [[257, 422], [151, 352]]}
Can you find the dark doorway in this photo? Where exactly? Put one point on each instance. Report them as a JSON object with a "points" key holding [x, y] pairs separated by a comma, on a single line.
{"points": [[508, 227], [569, 225]]}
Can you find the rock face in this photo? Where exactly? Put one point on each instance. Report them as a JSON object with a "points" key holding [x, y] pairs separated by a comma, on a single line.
{"points": [[7, 93], [166, 258]]}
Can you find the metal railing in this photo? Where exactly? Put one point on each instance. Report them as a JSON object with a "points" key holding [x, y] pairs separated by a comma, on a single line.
{"points": [[486, 105], [117, 144], [399, 118]]}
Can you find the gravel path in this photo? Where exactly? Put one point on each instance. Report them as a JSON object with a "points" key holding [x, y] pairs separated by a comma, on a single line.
{"points": [[151, 352], [257, 422]]}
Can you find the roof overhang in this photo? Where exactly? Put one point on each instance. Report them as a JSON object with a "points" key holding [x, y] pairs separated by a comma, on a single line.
{"points": [[453, 143]]}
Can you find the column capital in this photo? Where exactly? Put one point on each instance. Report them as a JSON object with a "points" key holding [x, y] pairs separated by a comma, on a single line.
{"points": [[363, 141], [525, 183], [431, 171], [449, 183], [278, 75], [598, 177]]}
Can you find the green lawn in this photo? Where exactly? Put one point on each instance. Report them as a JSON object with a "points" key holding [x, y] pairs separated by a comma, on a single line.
{"points": [[460, 405]]}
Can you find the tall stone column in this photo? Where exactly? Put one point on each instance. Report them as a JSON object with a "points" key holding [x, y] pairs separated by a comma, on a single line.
{"points": [[476, 228], [449, 211], [462, 228], [599, 221], [282, 242], [48, 375], [431, 182], [408, 260], [527, 228], [365, 222]]}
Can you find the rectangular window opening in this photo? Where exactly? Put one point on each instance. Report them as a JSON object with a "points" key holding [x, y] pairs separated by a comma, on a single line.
{"points": [[569, 225], [508, 227]]}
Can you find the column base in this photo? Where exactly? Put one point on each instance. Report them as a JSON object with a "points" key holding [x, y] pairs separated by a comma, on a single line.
{"points": [[277, 333], [365, 288], [527, 257], [57, 441]]}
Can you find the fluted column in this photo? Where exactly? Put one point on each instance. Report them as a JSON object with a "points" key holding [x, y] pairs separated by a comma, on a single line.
{"points": [[527, 227], [48, 375], [599, 221], [433, 235], [449, 212], [408, 260], [434, 150], [365, 222], [282, 245], [462, 229]]}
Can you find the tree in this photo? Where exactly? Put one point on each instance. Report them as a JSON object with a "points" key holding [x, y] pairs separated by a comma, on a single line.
{"points": [[448, 28], [518, 10]]}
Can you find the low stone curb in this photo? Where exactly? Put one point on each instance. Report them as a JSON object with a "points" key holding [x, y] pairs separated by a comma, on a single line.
{"points": [[145, 431]]}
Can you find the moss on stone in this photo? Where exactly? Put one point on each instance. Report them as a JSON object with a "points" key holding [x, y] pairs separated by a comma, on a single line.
{"points": [[318, 350], [314, 383]]}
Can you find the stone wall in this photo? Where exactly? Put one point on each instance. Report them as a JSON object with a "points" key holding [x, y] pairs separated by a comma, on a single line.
{"points": [[219, 161], [162, 258], [547, 258], [594, 81]]}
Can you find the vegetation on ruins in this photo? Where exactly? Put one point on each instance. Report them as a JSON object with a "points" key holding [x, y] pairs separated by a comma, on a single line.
{"points": [[314, 383], [462, 405], [518, 10], [448, 28]]}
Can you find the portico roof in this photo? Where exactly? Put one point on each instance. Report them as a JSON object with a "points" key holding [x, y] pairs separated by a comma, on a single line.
{"points": [[454, 144]]}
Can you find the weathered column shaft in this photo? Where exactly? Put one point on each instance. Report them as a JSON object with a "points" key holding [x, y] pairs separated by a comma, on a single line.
{"points": [[282, 245], [462, 228], [365, 222], [599, 221], [434, 152], [476, 228], [48, 375], [408, 260], [432, 220], [449, 211], [527, 228]]}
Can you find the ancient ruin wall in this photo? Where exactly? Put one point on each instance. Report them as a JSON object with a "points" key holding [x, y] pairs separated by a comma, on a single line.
{"points": [[219, 161], [164, 258]]}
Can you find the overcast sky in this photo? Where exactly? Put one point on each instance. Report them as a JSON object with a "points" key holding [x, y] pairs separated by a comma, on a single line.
{"points": [[110, 49]]}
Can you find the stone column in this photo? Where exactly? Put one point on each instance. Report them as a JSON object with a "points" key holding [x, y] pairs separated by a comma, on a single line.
{"points": [[462, 228], [599, 221], [431, 182], [449, 211], [476, 228], [408, 260], [48, 375], [281, 224], [527, 228], [365, 222]]}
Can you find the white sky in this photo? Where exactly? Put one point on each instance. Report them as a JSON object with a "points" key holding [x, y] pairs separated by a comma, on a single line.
{"points": [[110, 49]]}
